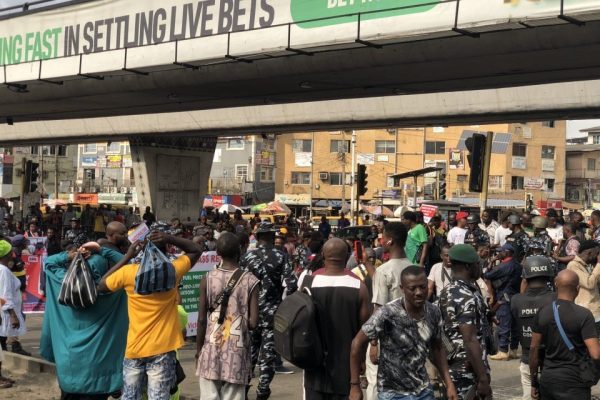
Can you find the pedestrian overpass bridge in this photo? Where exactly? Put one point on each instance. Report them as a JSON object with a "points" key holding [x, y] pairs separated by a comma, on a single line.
{"points": [[156, 71]]}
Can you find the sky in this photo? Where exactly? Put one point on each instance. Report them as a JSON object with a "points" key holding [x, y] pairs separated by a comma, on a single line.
{"points": [[573, 127]]}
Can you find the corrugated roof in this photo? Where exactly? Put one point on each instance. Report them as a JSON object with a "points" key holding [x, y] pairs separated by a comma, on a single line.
{"points": [[499, 145]]}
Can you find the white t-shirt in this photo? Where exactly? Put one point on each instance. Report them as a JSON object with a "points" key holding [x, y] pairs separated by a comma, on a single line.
{"points": [[500, 235], [437, 276], [386, 282], [456, 235]]}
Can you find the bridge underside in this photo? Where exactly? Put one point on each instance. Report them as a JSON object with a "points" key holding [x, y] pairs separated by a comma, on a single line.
{"points": [[509, 58]]}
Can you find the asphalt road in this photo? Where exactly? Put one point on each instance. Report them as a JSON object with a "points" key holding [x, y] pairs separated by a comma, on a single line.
{"points": [[505, 375]]}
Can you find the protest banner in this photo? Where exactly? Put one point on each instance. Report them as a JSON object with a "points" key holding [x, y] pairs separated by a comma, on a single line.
{"points": [[33, 299], [428, 212], [191, 285]]}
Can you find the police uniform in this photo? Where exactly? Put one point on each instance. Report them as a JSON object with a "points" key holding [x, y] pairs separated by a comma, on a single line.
{"points": [[520, 242], [544, 240], [301, 256], [524, 308], [272, 268], [462, 303], [476, 237]]}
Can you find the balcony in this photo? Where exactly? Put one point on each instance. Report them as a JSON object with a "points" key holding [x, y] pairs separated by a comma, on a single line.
{"points": [[124, 186], [583, 174], [227, 185]]}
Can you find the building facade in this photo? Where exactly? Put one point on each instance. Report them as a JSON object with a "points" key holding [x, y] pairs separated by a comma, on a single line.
{"points": [[583, 169], [244, 166], [526, 159]]}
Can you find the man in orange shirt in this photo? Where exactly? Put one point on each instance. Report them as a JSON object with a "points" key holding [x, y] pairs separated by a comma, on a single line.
{"points": [[154, 328]]}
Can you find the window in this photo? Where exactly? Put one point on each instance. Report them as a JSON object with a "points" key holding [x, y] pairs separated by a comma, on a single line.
{"points": [[113, 147], [35, 150], [339, 146], [335, 178], [89, 174], [302, 145], [596, 139], [517, 183], [520, 149], [495, 181], [549, 184], [385, 146], [7, 174], [591, 164], [235, 144], [241, 171], [48, 150], [300, 178], [90, 148], [548, 152], [62, 150], [435, 147], [548, 124], [266, 173]]}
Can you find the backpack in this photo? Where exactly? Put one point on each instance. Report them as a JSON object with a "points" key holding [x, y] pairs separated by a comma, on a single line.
{"points": [[78, 289], [296, 329]]}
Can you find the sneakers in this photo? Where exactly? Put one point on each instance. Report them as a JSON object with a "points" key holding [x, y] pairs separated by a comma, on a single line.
{"points": [[263, 396], [500, 356], [513, 355], [283, 370]]}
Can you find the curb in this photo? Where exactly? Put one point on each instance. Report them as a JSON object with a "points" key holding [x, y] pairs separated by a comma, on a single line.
{"points": [[14, 361]]}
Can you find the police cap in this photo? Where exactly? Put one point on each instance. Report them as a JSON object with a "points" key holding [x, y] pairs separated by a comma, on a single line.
{"points": [[473, 219], [536, 244], [514, 219], [539, 222], [266, 227], [537, 267], [463, 253]]}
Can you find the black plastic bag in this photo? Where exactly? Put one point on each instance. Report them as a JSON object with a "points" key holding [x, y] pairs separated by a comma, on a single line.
{"points": [[78, 289], [156, 272]]}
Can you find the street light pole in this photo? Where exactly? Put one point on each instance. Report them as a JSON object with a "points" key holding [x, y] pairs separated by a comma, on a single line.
{"points": [[352, 187]]}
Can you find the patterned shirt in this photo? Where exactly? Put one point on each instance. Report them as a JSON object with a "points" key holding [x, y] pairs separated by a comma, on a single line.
{"points": [[225, 355], [461, 303], [273, 269], [300, 257], [543, 241], [476, 237], [520, 242], [404, 345]]}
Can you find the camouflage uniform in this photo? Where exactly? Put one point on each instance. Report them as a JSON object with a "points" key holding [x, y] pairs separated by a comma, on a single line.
{"points": [[476, 237], [544, 240], [461, 303], [272, 268], [300, 257], [76, 237], [520, 242]]}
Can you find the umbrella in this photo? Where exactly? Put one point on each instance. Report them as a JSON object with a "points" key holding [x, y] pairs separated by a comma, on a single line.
{"points": [[277, 207], [258, 207], [55, 202], [229, 208], [381, 210]]}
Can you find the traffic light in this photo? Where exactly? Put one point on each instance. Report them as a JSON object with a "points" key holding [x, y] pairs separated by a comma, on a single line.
{"points": [[442, 187], [476, 157], [361, 179], [529, 201], [31, 176]]}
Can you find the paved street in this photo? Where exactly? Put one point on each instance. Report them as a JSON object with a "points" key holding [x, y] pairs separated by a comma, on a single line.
{"points": [[505, 375]]}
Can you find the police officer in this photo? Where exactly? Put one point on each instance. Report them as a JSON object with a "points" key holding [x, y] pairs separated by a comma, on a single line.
{"points": [[540, 234], [518, 238], [538, 272], [466, 325], [272, 268], [475, 236], [537, 248], [506, 281]]}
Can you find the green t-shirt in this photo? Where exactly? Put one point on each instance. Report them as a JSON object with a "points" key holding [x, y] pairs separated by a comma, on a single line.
{"points": [[416, 236]]}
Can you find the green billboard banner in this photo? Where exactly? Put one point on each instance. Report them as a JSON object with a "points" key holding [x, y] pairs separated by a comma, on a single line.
{"points": [[333, 12]]}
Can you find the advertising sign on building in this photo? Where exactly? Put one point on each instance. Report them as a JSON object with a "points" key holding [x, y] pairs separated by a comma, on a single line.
{"points": [[114, 161], [86, 198], [456, 160], [89, 161], [302, 199], [127, 161], [302, 159], [533, 183], [547, 165], [365, 158], [519, 162]]}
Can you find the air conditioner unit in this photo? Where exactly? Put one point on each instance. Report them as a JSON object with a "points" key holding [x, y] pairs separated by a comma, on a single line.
{"points": [[323, 176], [392, 131]]}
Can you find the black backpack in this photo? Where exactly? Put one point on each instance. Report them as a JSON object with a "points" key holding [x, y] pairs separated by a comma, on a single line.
{"points": [[296, 328]]}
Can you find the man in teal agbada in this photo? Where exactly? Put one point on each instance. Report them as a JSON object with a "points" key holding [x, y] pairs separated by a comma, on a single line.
{"points": [[87, 345]]}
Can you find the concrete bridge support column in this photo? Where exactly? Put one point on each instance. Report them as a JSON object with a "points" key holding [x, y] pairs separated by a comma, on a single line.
{"points": [[171, 174]]}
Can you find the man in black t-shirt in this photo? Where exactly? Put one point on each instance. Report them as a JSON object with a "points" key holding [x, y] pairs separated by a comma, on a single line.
{"points": [[561, 376]]}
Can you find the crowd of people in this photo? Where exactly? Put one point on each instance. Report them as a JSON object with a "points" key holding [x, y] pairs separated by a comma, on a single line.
{"points": [[410, 311]]}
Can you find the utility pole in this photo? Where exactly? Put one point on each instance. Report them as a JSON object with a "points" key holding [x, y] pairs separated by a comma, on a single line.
{"points": [[486, 171], [42, 171], [353, 215], [312, 172], [343, 160], [56, 173]]}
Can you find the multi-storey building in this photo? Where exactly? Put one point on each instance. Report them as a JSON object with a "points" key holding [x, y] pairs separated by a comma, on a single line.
{"points": [[526, 158], [583, 169]]}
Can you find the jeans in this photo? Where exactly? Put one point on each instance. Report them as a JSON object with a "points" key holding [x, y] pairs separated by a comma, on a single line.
{"points": [[154, 375], [426, 394]]}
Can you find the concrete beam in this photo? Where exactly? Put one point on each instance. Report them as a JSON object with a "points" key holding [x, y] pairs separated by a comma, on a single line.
{"points": [[571, 100]]}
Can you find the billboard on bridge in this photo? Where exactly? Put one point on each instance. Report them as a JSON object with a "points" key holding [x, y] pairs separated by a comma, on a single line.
{"points": [[111, 35]]}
